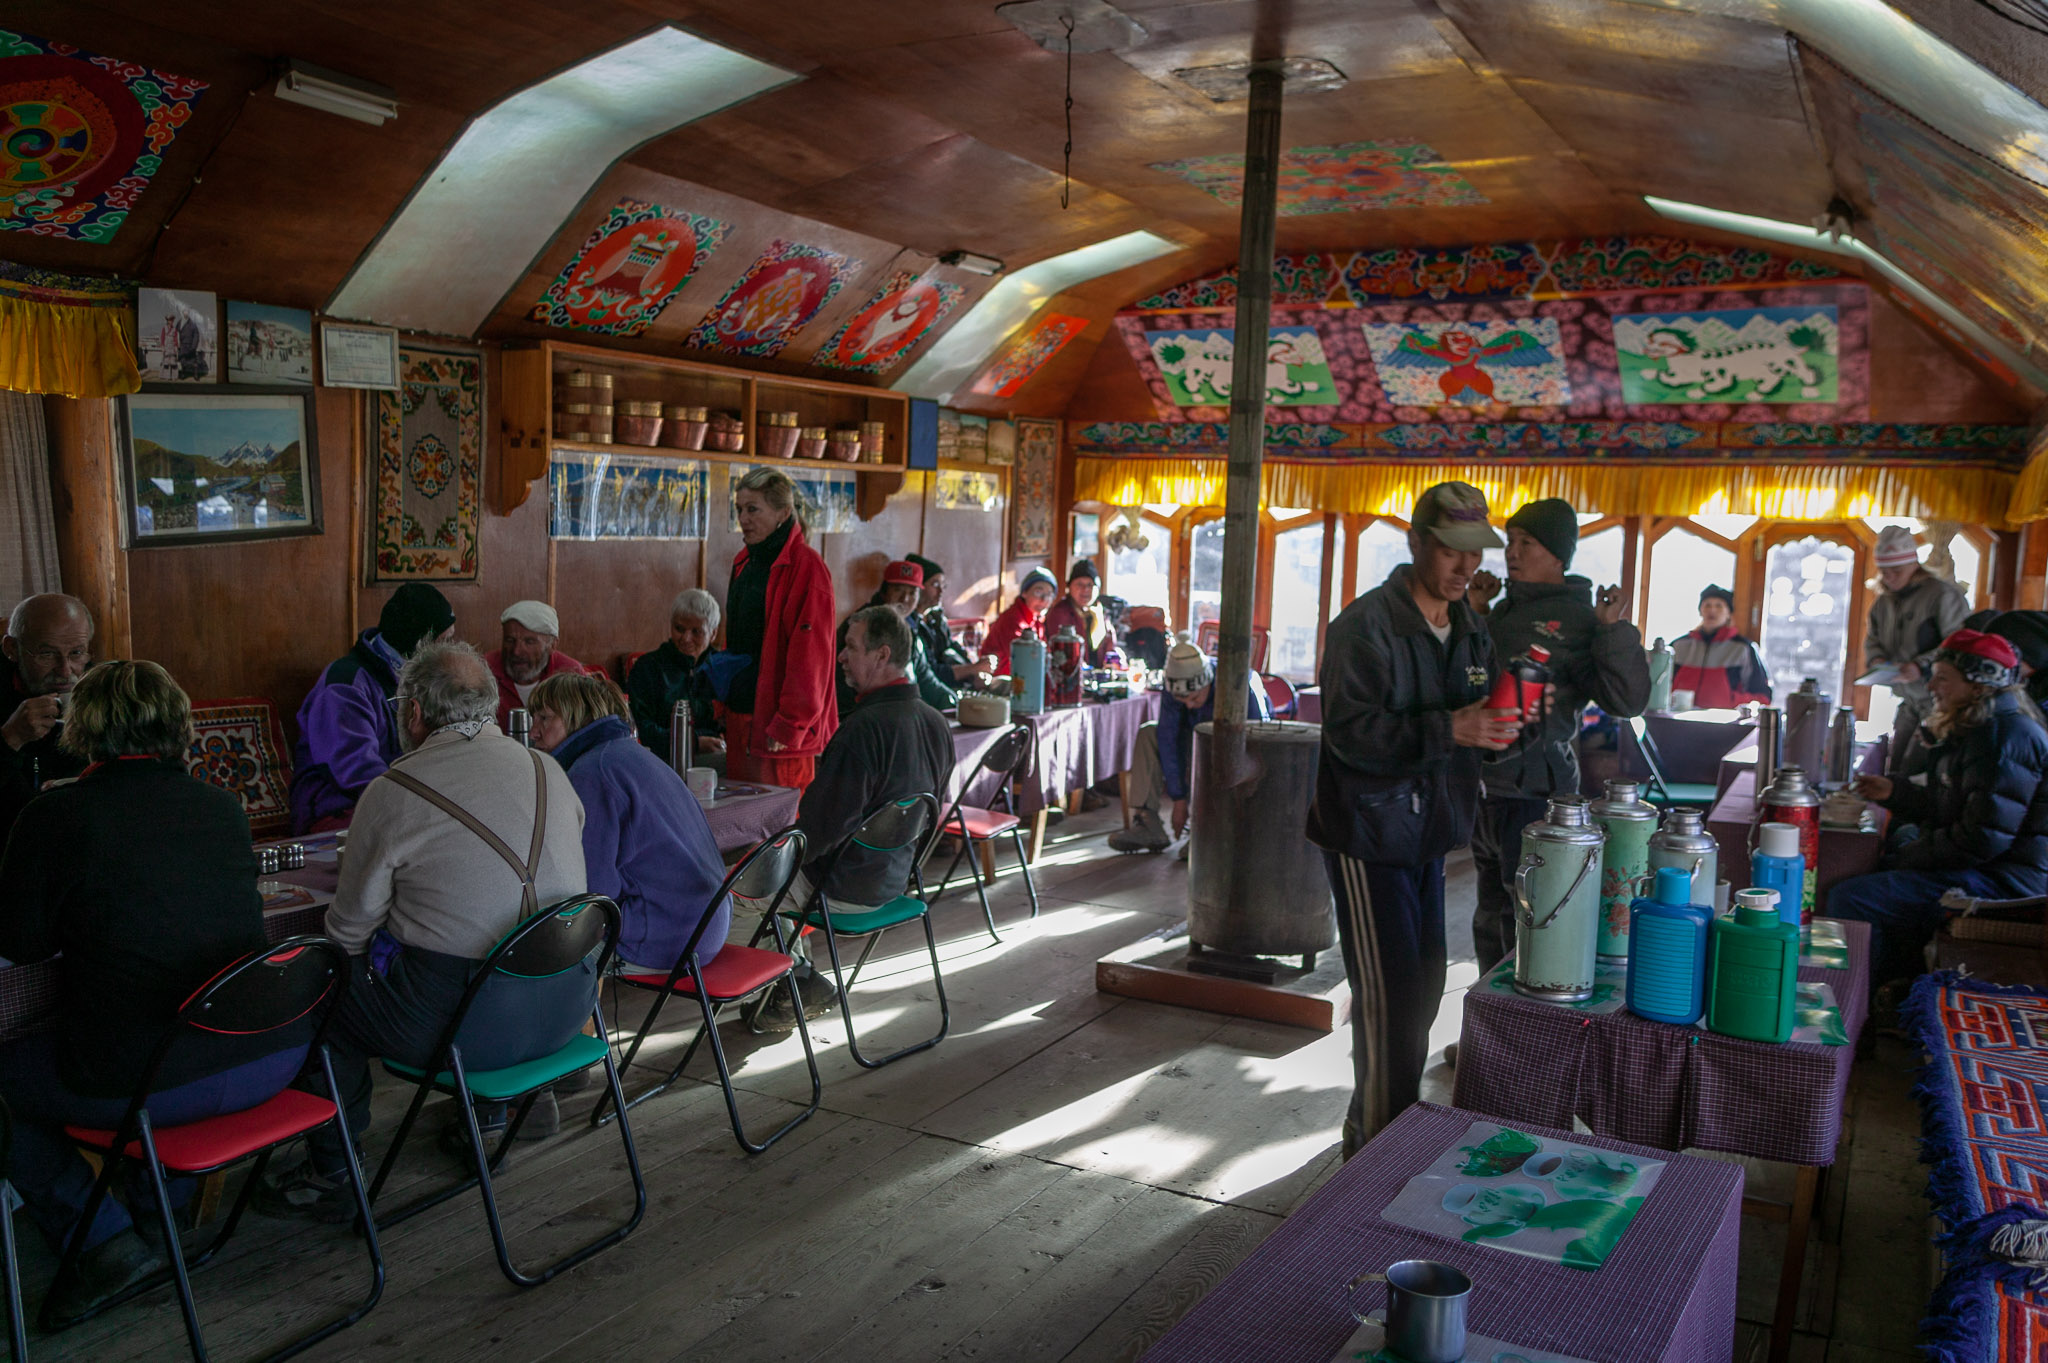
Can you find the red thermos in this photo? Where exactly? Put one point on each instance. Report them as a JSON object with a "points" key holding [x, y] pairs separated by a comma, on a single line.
{"points": [[1520, 684]]}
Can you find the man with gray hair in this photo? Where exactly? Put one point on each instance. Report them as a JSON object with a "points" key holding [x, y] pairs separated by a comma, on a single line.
{"points": [[527, 656], [427, 890], [682, 668], [47, 649]]}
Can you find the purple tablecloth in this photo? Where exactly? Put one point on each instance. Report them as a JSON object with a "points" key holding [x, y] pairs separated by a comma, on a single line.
{"points": [[1653, 1083], [1071, 749], [739, 821], [1667, 1292]]}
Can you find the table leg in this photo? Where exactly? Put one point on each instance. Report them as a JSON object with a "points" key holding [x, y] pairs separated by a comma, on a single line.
{"points": [[1037, 834], [1073, 802], [1797, 1225], [988, 861]]}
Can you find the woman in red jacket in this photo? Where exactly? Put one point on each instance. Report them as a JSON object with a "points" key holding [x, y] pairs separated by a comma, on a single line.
{"points": [[1025, 615], [780, 709]]}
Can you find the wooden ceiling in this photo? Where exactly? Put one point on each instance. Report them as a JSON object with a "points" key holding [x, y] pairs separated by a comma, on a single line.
{"points": [[922, 126]]}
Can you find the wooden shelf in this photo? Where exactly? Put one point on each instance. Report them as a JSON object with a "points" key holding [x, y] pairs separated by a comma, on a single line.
{"points": [[527, 411]]}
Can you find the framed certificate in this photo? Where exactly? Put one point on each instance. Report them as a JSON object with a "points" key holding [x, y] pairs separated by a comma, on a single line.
{"points": [[356, 356]]}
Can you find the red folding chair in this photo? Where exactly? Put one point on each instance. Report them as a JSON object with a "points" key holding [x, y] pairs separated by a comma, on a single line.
{"points": [[1281, 694], [1006, 758], [266, 991]]}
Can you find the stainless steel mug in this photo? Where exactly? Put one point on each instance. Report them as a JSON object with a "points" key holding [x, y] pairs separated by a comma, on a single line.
{"points": [[1425, 1310]]}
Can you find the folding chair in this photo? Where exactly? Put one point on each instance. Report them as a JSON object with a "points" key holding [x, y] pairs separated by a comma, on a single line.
{"points": [[735, 973], [558, 939], [897, 824], [1657, 790], [10, 1203], [1280, 693], [1006, 757], [265, 991]]}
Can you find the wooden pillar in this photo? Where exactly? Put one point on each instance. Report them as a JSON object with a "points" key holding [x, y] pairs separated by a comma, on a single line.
{"points": [[2032, 588], [85, 497]]}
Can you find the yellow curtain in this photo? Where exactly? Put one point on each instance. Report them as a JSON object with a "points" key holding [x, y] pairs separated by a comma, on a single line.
{"points": [[1978, 496], [65, 335], [2030, 490]]}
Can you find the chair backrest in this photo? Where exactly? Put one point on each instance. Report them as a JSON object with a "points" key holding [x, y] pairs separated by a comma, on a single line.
{"points": [[763, 875], [1209, 638], [1008, 754], [538, 949], [239, 746], [897, 823], [626, 661], [1636, 744], [556, 938], [1280, 692], [268, 990]]}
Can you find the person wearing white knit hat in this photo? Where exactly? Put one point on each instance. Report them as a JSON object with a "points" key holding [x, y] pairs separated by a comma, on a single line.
{"points": [[1914, 611], [1162, 762], [526, 655]]}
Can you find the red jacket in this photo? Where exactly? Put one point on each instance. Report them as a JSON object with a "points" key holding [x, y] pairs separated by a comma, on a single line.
{"points": [[1064, 612], [794, 701], [1016, 621], [508, 694], [1721, 670]]}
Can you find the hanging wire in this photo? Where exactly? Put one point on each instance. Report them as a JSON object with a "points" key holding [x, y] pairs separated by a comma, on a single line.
{"points": [[1067, 154]]}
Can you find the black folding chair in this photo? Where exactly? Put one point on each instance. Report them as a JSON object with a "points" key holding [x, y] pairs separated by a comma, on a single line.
{"points": [[266, 991], [559, 938], [10, 1203], [1006, 758], [735, 973], [896, 825]]}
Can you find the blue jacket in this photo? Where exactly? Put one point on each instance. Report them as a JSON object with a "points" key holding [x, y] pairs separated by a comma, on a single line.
{"points": [[646, 845], [346, 734], [1177, 733], [1985, 804]]}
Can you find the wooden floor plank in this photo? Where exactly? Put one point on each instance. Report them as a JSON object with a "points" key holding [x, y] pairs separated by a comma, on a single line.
{"points": [[1226, 1235]]}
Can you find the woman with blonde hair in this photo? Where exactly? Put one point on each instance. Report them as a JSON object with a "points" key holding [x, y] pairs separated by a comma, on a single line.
{"points": [[144, 879], [780, 709], [646, 845]]}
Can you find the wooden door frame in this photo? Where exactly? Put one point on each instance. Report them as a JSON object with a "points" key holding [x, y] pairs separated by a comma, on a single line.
{"points": [[1757, 541]]}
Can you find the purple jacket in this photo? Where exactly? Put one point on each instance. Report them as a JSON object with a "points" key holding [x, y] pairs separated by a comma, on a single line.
{"points": [[646, 845], [346, 734]]}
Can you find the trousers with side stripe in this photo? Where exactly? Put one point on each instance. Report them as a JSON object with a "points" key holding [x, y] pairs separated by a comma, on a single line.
{"points": [[1390, 926]]}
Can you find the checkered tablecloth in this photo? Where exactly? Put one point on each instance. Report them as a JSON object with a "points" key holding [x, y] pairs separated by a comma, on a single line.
{"points": [[1671, 1087], [1666, 1293]]}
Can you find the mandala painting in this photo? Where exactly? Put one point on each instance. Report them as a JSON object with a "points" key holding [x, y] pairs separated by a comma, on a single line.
{"points": [[427, 478], [1026, 353], [1738, 355], [80, 136], [891, 324], [1349, 178], [1437, 364], [631, 265], [773, 300]]}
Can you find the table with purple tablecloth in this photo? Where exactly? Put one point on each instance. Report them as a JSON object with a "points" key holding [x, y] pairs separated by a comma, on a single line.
{"points": [[1844, 852], [1072, 748], [1666, 1293], [738, 821]]}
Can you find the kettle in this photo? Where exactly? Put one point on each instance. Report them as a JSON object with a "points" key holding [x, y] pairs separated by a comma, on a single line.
{"points": [[1557, 903]]}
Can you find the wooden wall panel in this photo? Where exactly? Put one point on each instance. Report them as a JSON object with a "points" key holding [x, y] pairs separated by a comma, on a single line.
{"points": [[613, 598], [969, 545], [1914, 376], [85, 503]]}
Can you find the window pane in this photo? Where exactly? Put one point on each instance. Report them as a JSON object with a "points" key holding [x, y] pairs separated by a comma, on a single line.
{"points": [[1598, 558], [1297, 602], [1340, 586], [1087, 533], [1808, 595], [1205, 574], [1681, 564], [1969, 567], [1382, 547], [1139, 575]]}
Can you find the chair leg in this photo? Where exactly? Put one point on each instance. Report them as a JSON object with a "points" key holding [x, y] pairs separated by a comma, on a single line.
{"points": [[598, 1115], [981, 892], [952, 866], [17, 1324], [732, 1106], [179, 1276], [1030, 888], [1123, 796], [846, 1006]]}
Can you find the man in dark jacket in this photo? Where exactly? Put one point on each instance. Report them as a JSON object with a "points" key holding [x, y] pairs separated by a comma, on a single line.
{"points": [[890, 745], [1595, 655], [1405, 674], [1715, 662], [47, 649], [2027, 632], [901, 583]]}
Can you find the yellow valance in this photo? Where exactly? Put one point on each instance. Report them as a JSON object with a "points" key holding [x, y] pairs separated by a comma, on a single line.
{"points": [[2029, 500], [1840, 490], [65, 335]]}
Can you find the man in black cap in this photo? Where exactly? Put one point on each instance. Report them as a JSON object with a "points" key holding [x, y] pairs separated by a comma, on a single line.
{"points": [[1715, 662], [1077, 610], [928, 623], [347, 735]]}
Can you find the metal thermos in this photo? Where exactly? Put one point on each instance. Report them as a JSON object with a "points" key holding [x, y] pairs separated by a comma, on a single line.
{"points": [[1807, 712], [1792, 799], [1769, 720], [1662, 664], [1684, 842], [1841, 746], [1521, 684], [1628, 821], [1027, 675], [1064, 656], [519, 724], [682, 738], [1557, 903]]}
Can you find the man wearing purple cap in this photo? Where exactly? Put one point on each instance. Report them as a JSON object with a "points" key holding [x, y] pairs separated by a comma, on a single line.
{"points": [[1406, 668]]}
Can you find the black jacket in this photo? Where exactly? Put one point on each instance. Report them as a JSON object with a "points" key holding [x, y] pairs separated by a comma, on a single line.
{"points": [[658, 680], [1985, 804], [890, 745], [144, 878], [23, 771], [1604, 664], [1392, 787]]}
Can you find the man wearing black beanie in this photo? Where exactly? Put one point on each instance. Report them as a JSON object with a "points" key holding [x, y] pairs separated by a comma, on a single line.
{"points": [[347, 735]]}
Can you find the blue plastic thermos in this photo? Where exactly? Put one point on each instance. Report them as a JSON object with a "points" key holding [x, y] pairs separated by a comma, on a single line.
{"points": [[1667, 952], [1779, 864], [1027, 675]]}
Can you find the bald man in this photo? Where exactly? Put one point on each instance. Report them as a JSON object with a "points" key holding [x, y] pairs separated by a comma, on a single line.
{"points": [[47, 649]]}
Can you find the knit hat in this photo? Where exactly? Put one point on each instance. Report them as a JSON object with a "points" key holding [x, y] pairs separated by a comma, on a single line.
{"points": [[1985, 659], [1722, 592], [1896, 547], [1036, 575], [1188, 669], [1455, 513], [2027, 632], [931, 569], [1551, 523], [537, 616], [1083, 568], [414, 612], [903, 573]]}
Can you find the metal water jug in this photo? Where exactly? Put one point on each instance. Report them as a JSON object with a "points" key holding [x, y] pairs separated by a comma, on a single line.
{"points": [[1662, 664], [1027, 675], [1805, 744], [1627, 821], [682, 739], [519, 726], [1841, 746], [1683, 841], [1792, 799], [1557, 903], [1769, 729]]}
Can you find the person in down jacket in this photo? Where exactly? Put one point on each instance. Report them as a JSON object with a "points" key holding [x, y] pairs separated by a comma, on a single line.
{"points": [[1979, 823]]}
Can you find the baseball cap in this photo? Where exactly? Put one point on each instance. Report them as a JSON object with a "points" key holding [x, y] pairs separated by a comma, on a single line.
{"points": [[1455, 513]]}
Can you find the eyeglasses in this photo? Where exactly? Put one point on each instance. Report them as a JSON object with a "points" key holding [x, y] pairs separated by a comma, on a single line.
{"points": [[392, 703], [51, 657]]}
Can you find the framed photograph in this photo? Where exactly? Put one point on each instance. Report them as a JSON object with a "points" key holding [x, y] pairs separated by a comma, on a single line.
{"points": [[268, 344], [177, 336], [234, 464], [355, 356]]}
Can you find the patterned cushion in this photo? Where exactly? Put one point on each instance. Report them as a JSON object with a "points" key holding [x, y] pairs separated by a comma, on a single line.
{"points": [[238, 745]]}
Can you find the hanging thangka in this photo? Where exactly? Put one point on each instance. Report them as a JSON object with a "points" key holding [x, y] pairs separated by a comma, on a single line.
{"points": [[890, 324], [827, 498], [597, 495], [426, 480], [776, 298], [1032, 487], [628, 269]]}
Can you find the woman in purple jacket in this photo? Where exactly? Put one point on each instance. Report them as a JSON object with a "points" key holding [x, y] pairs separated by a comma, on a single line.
{"points": [[646, 845]]}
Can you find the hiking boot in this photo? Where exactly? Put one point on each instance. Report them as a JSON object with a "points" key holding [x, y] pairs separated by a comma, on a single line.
{"points": [[490, 1124], [104, 1271], [544, 1120], [772, 1011], [299, 1192], [1092, 801], [1146, 834]]}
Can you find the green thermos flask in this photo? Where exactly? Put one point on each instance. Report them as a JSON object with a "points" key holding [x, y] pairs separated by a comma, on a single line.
{"points": [[1752, 970]]}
